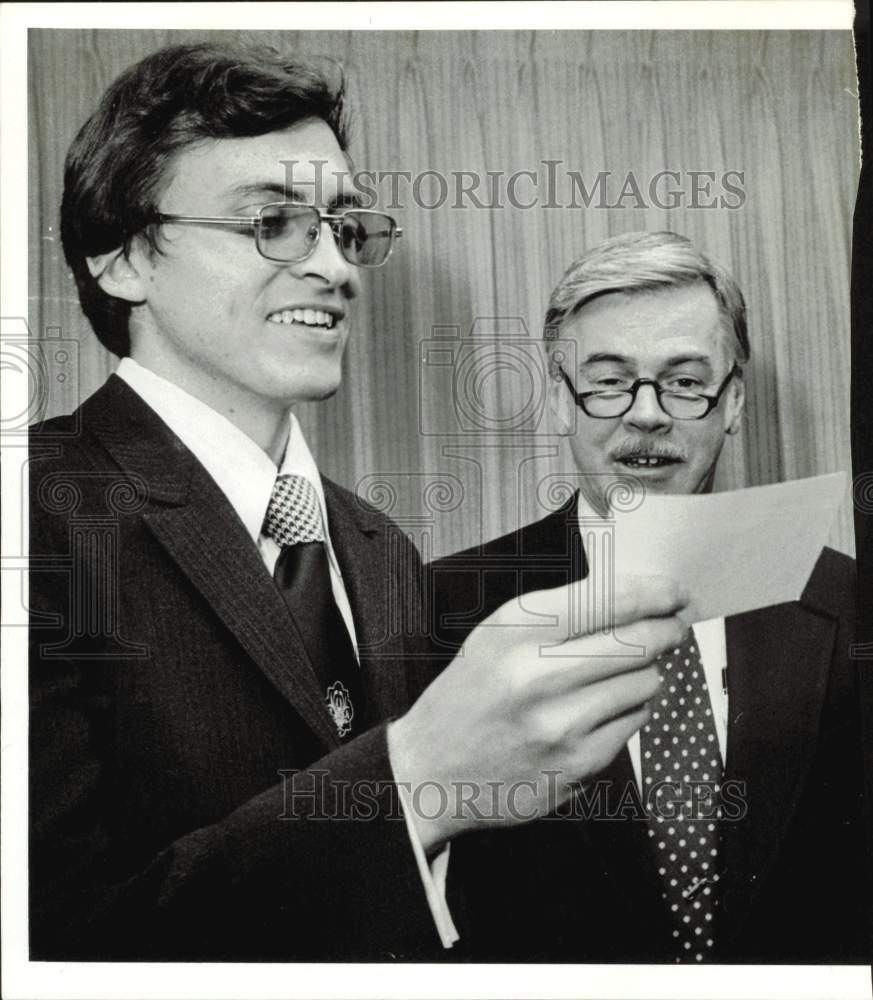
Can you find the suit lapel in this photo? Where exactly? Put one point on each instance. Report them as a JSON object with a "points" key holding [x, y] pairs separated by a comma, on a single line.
{"points": [[777, 667], [371, 569], [621, 835], [194, 523], [216, 553]]}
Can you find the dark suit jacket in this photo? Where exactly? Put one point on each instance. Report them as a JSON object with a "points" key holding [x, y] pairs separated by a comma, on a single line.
{"points": [[182, 761], [795, 881]]}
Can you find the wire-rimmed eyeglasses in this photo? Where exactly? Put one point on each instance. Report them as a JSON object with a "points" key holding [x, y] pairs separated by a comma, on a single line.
{"points": [[289, 232], [604, 404]]}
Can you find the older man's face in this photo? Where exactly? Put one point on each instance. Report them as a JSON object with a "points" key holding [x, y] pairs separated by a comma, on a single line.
{"points": [[677, 337]]}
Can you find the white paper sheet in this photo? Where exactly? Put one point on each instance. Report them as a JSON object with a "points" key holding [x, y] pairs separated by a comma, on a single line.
{"points": [[734, 551]]}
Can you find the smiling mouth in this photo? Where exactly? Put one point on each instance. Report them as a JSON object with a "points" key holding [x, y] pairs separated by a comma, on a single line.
{"points": [[648, 461], [316, 318]]}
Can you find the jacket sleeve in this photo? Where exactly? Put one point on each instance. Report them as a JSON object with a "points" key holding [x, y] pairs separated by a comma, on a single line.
{"points": [[318, 866]]}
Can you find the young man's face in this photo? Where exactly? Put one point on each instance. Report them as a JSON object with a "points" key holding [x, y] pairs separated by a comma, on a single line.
{"points": [[677, 337], [219, 319]]}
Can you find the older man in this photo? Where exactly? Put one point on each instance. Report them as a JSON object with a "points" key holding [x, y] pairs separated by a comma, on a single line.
{"points": [[730, 828]]}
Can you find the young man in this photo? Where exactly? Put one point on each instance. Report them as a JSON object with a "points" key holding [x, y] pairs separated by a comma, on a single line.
{"points": [[759, 711], [219, 634]]}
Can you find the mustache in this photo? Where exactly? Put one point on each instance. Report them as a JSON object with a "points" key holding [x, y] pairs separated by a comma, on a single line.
{"points": [[655, 449]]}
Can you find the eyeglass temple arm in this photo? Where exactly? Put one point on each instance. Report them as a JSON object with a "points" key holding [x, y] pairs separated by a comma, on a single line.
{"points": [[578, 396], [242, 220], [334, 219], [735, 370], [212, 220]]}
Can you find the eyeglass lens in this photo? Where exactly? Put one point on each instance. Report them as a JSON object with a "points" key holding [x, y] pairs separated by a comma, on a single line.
{"points": [[676, 404], [291, 232]]}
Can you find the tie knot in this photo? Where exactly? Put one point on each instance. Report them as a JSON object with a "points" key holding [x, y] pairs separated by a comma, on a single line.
{"points": [[293, 514]]}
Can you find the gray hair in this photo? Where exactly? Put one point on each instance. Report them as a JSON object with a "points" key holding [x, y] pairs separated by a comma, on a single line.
{"points": [[645, 262]]}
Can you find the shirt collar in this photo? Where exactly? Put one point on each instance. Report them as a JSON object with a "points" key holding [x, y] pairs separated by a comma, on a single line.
{"points": [[586, 514], [241, 469]]}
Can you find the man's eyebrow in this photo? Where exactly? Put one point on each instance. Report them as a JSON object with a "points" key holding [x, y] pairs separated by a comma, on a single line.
{"points": [[593, 359], [690, 357], [259, 190], [678, 359], [271, 192]]}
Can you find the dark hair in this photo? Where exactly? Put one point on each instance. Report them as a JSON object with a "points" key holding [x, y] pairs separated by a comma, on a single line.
{"points": [[646, 262], [118, 164]]}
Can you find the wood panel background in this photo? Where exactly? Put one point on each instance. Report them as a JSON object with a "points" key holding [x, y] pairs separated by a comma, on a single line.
{"points": [[779, 106]]}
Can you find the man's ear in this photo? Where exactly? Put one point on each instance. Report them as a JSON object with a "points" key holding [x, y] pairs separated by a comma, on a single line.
{"points": [[118, 274], [736, 405], [561, 404]]}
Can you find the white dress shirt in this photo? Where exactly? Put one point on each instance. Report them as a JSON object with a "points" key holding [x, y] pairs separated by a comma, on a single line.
{"points": [[710, 638], [246, 475]]}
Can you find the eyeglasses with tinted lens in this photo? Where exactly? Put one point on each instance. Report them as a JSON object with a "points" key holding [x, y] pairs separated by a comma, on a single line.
{"points": [[289, 232], [605, 404]]}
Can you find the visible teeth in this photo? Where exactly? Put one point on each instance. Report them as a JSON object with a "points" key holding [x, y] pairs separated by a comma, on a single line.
{"points": [[645, 460], [309, 317]]}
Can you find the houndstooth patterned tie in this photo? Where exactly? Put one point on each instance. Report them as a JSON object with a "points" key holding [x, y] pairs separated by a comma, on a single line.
{"points": [[294, 514], [681, 770]]}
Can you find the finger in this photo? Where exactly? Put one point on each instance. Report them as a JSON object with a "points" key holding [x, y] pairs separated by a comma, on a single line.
{"points": [[592, 658], [636, 597], [587, 606], [570, 717], [600, 747], [614, 697]]}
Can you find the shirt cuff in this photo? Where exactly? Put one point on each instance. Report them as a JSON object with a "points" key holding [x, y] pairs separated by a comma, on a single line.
{"points": [[433, 877]]}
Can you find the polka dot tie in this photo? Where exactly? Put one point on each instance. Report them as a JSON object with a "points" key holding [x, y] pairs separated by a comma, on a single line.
{"points": [[681, 772]]}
